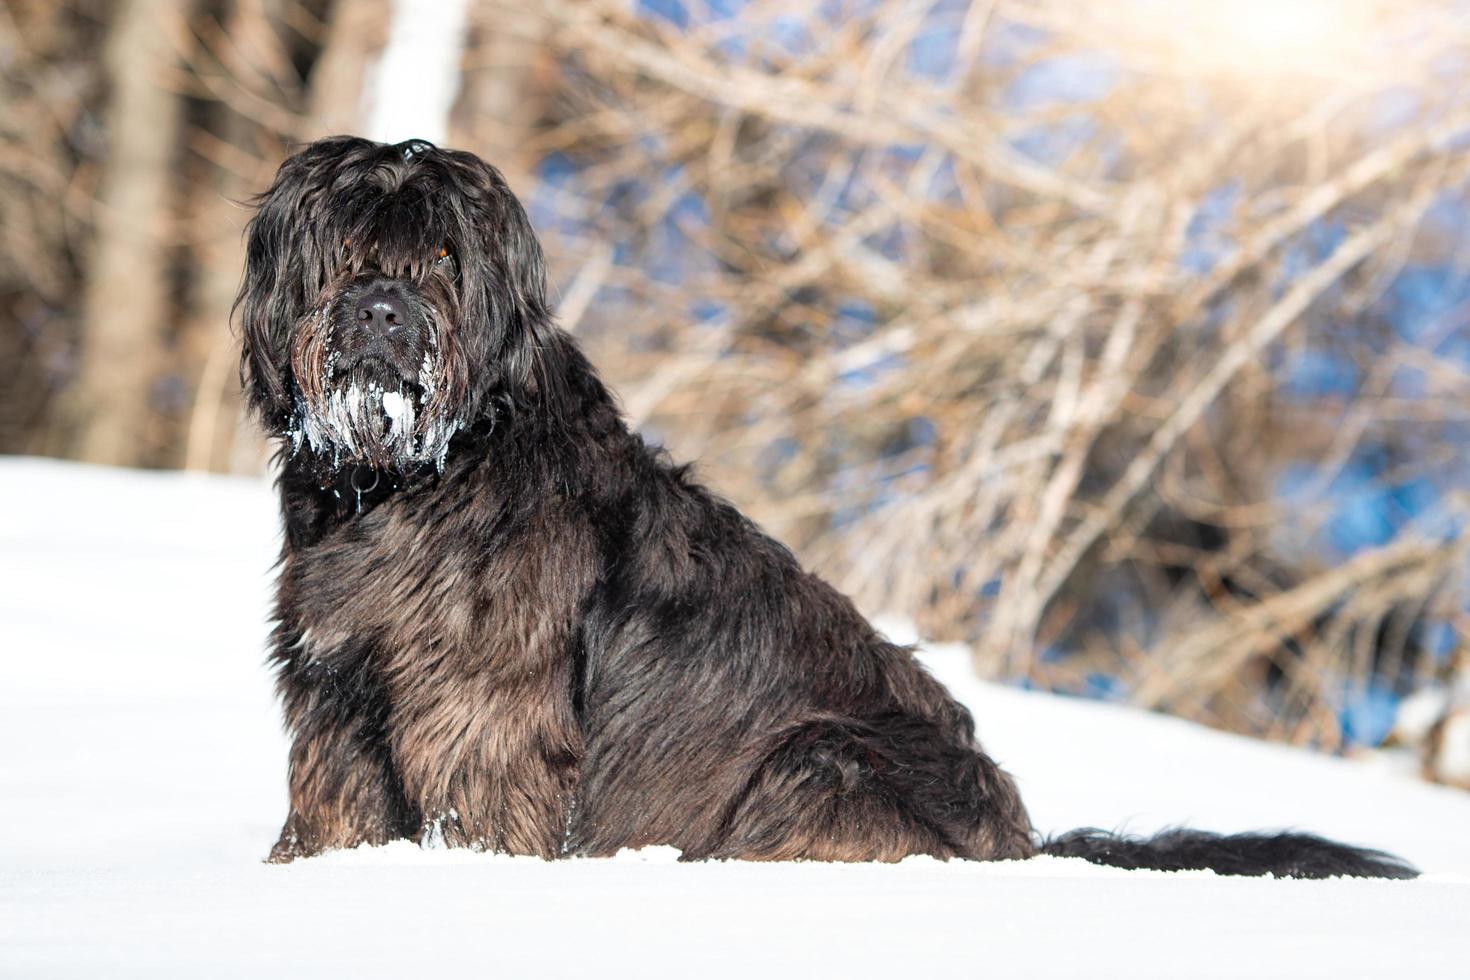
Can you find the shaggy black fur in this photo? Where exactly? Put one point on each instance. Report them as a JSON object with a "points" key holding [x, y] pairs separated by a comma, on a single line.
{"points": [[504, 622], [1282, 855]]}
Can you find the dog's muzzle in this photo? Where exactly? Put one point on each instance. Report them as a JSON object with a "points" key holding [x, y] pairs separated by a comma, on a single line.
{"points": [[369, 396]]}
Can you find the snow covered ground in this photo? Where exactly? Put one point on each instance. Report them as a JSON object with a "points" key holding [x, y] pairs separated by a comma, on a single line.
{"points": [[141, 781]]}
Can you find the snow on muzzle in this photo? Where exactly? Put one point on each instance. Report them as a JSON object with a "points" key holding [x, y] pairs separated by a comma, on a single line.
{"points": [[370, 418]]}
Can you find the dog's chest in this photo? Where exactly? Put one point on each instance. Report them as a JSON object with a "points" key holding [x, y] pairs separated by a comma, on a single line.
{"points": [[387, 585]]}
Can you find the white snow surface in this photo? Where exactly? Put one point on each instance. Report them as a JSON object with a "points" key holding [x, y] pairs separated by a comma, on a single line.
{"points": [[142, 780]]}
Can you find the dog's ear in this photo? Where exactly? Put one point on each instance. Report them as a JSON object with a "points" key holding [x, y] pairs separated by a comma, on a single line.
{"points": [[536, 361], [531, 349], [282, 271]]}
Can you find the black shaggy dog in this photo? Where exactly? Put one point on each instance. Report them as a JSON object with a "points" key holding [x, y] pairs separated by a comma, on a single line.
{"points": [[504, 622]]}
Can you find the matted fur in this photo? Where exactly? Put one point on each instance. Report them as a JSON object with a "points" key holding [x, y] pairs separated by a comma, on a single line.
{"points": [[543, 637]]}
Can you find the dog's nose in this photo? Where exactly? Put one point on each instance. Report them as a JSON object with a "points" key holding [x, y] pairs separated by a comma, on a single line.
{"points": [[381, 313]]}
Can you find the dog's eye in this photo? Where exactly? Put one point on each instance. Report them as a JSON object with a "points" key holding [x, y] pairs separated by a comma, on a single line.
{"points": [[445, 261]]}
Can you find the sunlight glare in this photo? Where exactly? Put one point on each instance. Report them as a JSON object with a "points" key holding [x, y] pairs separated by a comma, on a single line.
{"points": [[1269, 40]]}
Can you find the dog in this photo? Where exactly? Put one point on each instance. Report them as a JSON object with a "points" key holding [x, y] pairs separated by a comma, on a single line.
{"points": [[504, 622]]}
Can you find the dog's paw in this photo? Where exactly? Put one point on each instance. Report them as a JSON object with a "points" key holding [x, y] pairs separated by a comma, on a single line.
{"points": [[289, 847], [442, 829], [445, 829]]}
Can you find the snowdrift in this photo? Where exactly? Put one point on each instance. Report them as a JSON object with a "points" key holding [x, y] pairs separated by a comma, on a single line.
{"points": [[142, 780]]}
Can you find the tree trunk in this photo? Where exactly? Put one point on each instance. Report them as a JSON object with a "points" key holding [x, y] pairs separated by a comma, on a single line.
{"points": [[127, 309], [355, 36], [504, 91]]}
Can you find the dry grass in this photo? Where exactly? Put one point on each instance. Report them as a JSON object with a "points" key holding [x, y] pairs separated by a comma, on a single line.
{"points": [[1015, 365], [1056, 405]]}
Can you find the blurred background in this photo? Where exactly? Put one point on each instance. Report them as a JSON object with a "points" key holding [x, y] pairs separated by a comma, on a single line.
{"points": [[1128, 342]]}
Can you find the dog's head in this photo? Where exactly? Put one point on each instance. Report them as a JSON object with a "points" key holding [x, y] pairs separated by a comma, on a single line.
{"points": [[391, 293]]}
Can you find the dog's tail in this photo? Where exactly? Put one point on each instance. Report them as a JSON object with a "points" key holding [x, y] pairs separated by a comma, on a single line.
{"points": [[1281, 855]]}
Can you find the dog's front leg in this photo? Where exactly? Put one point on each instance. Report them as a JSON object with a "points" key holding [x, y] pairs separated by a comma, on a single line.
{"points": [[493, 768], [344, 790]]}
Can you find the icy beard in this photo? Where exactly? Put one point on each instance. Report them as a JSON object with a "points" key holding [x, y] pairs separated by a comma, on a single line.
{"points": [[376, 418]]}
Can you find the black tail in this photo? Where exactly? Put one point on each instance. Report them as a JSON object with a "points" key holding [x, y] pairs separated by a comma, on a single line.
{"points": [[1282, 855]]}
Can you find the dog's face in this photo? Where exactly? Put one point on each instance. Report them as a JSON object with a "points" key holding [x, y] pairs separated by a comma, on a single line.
{"points": [[391, 291]]}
